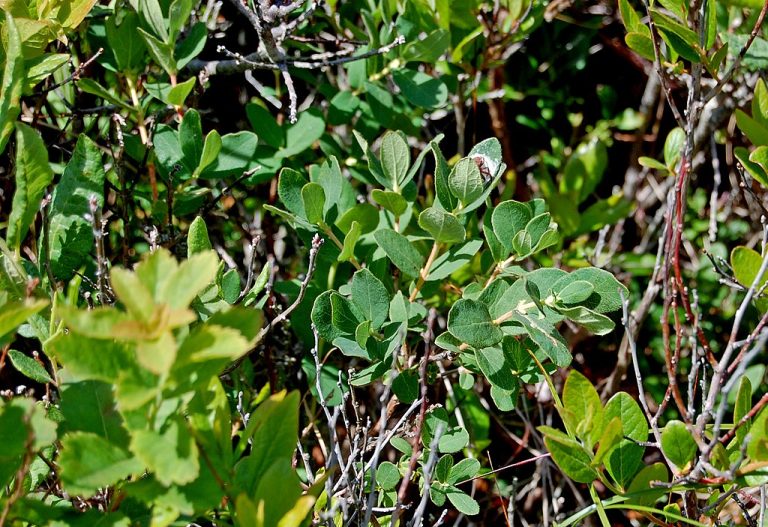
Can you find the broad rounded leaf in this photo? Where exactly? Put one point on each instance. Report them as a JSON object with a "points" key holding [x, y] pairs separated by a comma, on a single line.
{"points": [[633, 422], [89, 462], [465, 181], [678, 444], [400, 251], [470, 322], [313, 198], [387, 475], [371, 297], [442, 226], [395, 159]]}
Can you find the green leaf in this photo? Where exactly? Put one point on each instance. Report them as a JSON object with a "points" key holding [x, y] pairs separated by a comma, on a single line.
{"points": [[289, 185], [387, 475], [678, 444], [197, 237], [508, 219], [441, 225], [650, 162], [590, 320], [395, 159], [643, 482], [273, 429], [13, 79], [624, 461], [454, 259], [13, 314], [211, 149], [463, 502], [760, 103], [391, 201], [496, 368], [75, 14], [760, 157], [608, 291], [610, 437], [629, 16], [171, 455], [161, 52], [13, 434], [583, 403], [673, 147], [94, 88], [683, 40], [430, 48], [453, 440], [443, 468], [322, 316], [757, 449], [313, 199], [400, 251], [70, 233], [505, 400], [344, 315], [230, 286], [29, 367], [420, 89], [465, 181], [574, 292], [752, 128], [633, 421], [23, 427], [363, 213], [406, 386], [179, 93], [756, 57], [371, 297], [350, 240], [746, 265], [190, 47], [569, 455], [445, 198], [470, 322], [741, 408], [89, 406], [546, 337], [191, 138], [584, 170], [301, 135], [237, 155], [463, 470], [178, 15], [152, 14], [33, 174], [188, 279], [205, 352], [90, 358], [641, 43], [265, 125], [129, 51], [89, 462], [342, 107], [132, 293], [42, 67]]}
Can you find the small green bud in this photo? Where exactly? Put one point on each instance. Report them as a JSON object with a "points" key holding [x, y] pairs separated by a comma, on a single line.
{"points": [[197, 237]]}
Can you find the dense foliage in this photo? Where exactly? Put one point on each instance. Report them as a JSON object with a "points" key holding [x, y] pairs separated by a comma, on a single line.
{"points": [[377, 262]]}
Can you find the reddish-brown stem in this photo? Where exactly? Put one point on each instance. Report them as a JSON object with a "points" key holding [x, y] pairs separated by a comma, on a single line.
{"points": [[747, 343], [749, 415], [401, 492], [678, 237]]}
